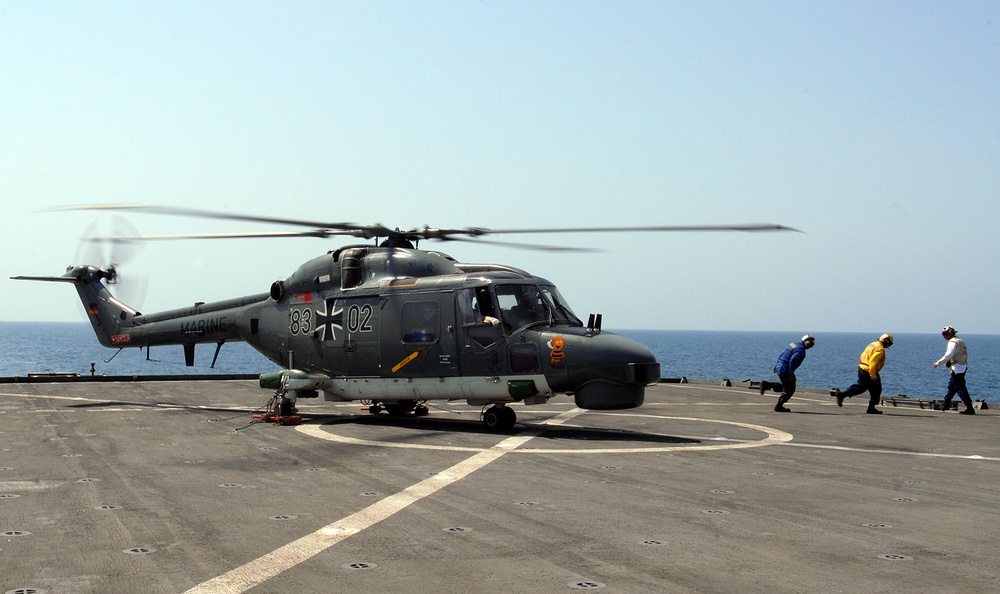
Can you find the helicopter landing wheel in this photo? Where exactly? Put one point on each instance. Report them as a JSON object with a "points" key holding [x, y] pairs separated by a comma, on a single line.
{"points": [[403, 407], [421, 410], [499, 416], [510, 417]]}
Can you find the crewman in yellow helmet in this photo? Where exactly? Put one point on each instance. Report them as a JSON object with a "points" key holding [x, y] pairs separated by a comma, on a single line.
{"points": [[869, 380]]}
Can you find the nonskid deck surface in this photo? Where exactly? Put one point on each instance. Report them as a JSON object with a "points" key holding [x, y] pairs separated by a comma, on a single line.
{"points": [[162, 487]]}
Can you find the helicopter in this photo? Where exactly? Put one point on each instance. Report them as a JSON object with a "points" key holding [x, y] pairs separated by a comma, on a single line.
{"points": [[392, 325]]}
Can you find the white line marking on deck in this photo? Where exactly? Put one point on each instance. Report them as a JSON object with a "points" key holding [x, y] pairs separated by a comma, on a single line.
{"points": [[266, 567], [895, 452]]}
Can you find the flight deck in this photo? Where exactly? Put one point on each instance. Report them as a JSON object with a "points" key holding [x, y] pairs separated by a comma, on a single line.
{"points": [[173, 486]]}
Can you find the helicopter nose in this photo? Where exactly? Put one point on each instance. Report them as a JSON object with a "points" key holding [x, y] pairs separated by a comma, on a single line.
{"points": [[616, 373]]}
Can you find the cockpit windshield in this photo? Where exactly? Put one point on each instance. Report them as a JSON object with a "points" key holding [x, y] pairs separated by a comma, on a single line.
{"points": [[523, 305], [564, 313]]}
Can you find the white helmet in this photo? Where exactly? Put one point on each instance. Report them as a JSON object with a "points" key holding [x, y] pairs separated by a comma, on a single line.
{"points": [[808, 341]]}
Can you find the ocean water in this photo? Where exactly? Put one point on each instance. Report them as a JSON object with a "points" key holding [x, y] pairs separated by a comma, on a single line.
{"points": [[71, 347], [30, 347], [832, 362]]}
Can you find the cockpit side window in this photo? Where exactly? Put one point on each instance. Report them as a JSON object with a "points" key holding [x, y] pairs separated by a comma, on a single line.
{"points": [[476, 316], [474, 305], [466, 304], [484, 303], [351, 268]]}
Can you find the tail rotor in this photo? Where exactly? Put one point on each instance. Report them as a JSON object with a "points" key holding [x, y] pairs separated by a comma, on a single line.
{"points": [[109, 244]]}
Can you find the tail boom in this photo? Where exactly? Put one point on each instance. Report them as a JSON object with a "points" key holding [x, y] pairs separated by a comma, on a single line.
{"points": [[118, 325]]}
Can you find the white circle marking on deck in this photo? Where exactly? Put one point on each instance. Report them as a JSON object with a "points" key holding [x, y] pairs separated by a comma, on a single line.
{"points": [[773, 436]]}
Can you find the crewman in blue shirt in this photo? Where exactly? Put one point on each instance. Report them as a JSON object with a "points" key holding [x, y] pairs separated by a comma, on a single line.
{"points": [[788, 361]]}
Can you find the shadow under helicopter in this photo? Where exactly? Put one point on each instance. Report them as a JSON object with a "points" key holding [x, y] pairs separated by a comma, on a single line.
{"points": [[424, 425], [475, 427]]}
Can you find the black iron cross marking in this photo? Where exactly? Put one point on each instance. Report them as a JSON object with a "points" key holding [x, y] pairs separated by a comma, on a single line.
{"points": [[329, 320]]}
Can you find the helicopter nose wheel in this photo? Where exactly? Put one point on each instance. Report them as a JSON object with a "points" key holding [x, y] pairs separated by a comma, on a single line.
{"points": [[499, 416]]}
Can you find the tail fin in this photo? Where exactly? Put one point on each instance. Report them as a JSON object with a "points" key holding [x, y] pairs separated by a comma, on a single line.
{"points": [[107, 315]]}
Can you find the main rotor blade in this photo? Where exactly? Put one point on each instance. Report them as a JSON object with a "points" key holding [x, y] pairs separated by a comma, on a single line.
{"points": [[522, 246], [376, 230], [319, 229], [322, 233], [754, 227]]}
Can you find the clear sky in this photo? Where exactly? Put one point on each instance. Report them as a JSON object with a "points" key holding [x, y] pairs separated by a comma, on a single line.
{"points": [[872, 126]]}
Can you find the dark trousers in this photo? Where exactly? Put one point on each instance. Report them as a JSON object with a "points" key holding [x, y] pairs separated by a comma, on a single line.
{"points": [[866, 384], [787, 386], [956, 385]]}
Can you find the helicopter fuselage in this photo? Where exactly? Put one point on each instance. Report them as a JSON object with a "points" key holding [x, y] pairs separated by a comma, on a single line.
{"points": [[392, 324]]}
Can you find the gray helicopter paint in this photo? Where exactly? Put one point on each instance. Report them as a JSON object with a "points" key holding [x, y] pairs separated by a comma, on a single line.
{"points": [[397, 316], [476, 391]]}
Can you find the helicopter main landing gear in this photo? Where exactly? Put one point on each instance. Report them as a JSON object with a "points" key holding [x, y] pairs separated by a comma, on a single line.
{"points": [[399, 408], [499, 416], [280, 411]]}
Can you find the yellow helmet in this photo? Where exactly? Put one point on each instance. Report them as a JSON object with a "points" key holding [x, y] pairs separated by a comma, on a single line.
{"points": [[886, 340]]}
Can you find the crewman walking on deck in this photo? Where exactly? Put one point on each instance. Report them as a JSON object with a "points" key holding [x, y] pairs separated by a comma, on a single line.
{"points": [[956, 357], [869, 380], [788, 361]]}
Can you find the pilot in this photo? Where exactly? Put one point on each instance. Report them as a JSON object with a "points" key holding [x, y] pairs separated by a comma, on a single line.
{"points": [[869, 365], [525, 312], [475, 308], [482, 317]]}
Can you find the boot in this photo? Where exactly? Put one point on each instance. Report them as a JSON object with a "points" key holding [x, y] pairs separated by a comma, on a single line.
{"points": [[946, 404], [835, 392], [780, 407], [968, 411], [873, 411]]}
